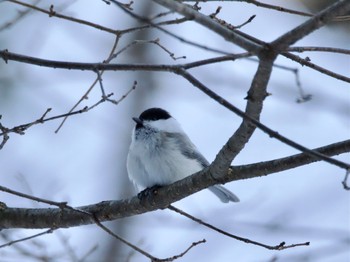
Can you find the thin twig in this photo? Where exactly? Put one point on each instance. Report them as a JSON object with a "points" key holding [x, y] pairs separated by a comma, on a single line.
{"points": [[280, 246], [175, 21], [345, 181], [5, 135], [218, 59], [53, 13], [20, 16], [303, 97], [184, 252], [85, 95], [226, 24], [21, 128], [278, 8], [37, 199], [155, 42], [141, 251], [306, 62], [181, 39], [136, 248], [301, 49], [172, 55], [250, 19], [99, 79], [49, 231]]}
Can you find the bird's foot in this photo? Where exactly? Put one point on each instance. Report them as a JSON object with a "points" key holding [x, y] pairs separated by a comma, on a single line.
{"points": [[148, 193]]}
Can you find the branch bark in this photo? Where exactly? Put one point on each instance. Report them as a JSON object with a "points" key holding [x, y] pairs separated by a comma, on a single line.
{"points": [[340, 7], [111, 210]]}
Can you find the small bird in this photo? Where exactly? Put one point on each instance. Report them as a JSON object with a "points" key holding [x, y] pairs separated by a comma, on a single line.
{"points": [[161, 153]]}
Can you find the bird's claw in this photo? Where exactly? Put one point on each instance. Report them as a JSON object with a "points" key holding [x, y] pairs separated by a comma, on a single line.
{"points": [[148, 192]]}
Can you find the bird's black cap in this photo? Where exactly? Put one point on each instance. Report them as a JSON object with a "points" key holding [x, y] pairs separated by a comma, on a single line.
{"points": [[154, 114]]}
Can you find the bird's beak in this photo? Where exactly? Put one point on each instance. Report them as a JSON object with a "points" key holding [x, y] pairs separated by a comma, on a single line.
{"points": [[137, 120]]}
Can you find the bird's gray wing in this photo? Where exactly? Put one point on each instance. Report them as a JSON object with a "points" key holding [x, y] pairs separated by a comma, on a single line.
{"points": [[187, 148]]}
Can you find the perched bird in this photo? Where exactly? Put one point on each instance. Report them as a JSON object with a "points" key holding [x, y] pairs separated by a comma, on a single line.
{"points": [[161, 153]]}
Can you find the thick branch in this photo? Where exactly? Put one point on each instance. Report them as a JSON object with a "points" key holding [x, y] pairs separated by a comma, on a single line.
{"points": [[111, 210], [341, 7], [286, 163], [255, 97]]}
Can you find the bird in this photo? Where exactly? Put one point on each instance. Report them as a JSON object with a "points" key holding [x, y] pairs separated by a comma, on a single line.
{"points": [[161, 153]]}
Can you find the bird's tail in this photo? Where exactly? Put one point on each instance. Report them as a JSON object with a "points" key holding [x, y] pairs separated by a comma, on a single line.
{"points": [[224, 194]]}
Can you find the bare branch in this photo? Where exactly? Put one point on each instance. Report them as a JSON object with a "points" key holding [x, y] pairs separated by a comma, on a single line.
{"points": [[85, 95], [226, 24], [158, 26], [289, 162], [21, 128], [20, 16], [111, 210], [277, 8], [280, 246], [141, 251], [155, 42], [49, 231], [301, 49], [184, 252], [136, 248], [37, 199], [306, 62], [232, 57], [256, 95], [5, 136], [317, 21], [53, 13], [345, 181]]}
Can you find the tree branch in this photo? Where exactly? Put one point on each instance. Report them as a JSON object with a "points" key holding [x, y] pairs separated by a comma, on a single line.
{"points": [[53, 13], [306, 62], [111, 210], [340, 7], [280, 246], [256, 95]]}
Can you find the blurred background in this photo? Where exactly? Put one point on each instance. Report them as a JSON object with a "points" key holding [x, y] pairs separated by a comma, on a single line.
{"points": [[84, 163]]}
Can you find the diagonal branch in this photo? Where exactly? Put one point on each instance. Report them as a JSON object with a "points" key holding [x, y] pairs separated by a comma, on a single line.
{"points": [[256, 96], [280, 246], [340, 7], [306, 62]]}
